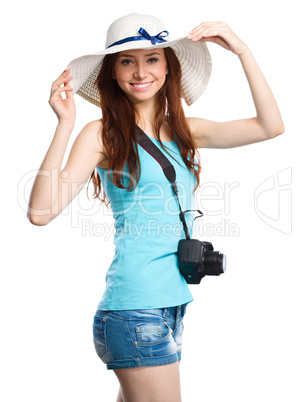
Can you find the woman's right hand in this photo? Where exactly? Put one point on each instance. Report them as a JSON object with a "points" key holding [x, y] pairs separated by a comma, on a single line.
{"points": [[65, 109]]}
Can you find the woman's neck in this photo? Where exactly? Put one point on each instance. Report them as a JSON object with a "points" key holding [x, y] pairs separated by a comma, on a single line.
{"points": [[146, 115]]}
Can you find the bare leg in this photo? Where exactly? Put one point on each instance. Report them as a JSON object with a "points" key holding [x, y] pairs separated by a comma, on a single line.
{"points": [[150, 384], [119, 398]]}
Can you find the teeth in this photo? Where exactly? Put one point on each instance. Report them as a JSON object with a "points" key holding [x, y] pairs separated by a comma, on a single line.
{"points": [[141, 85]]}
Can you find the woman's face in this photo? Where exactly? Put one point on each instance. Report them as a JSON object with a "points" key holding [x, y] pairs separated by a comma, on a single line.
{"points": [[141, 73]]}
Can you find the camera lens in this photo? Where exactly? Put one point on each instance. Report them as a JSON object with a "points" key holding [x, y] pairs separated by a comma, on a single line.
{"points": [[214, 263], [223, 263]]}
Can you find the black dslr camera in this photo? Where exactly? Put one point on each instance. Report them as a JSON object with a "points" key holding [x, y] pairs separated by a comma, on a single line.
{"points": [[197, 258]]}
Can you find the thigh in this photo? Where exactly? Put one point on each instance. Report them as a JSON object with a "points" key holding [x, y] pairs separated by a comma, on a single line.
{"points": [[150, 384]]}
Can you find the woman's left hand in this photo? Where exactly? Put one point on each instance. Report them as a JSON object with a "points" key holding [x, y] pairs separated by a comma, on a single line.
{"points": [[218, 32]]}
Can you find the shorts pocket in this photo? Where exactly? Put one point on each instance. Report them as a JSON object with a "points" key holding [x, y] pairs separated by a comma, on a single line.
{"points": [[152, 334], [99, 335]]}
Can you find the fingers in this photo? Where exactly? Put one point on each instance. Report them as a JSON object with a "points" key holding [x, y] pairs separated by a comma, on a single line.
{"points": [[208, 28], [63, 76], [56, 91], [61, 89], [62, 79], [69, 92], [207, 24]]}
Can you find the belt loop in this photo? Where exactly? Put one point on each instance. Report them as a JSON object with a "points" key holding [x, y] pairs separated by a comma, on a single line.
{"points": [[166, 312]]}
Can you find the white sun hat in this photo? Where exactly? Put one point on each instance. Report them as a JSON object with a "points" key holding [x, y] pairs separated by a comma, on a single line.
{"points": [[139, 31]]}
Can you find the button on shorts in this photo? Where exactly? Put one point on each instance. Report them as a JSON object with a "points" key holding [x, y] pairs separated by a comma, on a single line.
{"points": [[139, 338]]}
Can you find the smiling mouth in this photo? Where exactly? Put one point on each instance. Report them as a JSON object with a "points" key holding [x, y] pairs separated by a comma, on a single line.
{"points": [[143, 85]]}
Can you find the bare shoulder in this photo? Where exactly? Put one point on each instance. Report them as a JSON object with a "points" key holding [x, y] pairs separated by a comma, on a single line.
{"points": [[197, 126], [192, 124], [93, 129], [92, 133], [90, 137]]}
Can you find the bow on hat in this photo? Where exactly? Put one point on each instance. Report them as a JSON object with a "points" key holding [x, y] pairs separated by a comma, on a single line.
{"points": [[159, 38]]}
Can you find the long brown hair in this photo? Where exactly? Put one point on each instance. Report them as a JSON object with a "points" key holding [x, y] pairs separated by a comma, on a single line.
{"points": [[119, 123]]}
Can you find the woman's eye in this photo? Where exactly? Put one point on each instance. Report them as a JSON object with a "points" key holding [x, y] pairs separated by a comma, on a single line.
{"points": [[126, 62], [153, 60]]}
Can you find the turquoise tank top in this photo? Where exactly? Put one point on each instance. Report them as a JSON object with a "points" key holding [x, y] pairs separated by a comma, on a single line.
{"points": [[144, 273]]}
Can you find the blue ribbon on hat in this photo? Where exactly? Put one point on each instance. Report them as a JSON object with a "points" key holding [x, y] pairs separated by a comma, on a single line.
{"points": [[159, 38]]}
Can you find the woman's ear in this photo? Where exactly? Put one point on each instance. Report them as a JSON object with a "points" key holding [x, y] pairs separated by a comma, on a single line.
{"points": [[114, 76]]}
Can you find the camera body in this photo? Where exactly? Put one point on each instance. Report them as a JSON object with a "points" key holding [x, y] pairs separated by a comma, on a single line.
{"points": [[197, 258]]}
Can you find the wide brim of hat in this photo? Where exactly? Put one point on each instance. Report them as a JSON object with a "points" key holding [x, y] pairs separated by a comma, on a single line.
{"points": [[194, 58]]}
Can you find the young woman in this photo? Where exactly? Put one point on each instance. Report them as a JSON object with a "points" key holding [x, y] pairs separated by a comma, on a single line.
{"points": [[139, 80]]}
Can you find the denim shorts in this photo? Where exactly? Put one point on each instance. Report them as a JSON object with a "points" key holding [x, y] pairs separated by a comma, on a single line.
{"points": [[139, 338]]}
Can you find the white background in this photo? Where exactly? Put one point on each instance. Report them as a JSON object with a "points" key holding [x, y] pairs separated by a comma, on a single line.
{"points": [[245, 335]]}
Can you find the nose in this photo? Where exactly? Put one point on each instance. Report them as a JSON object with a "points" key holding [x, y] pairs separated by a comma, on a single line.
{"points": [[140, 72]]}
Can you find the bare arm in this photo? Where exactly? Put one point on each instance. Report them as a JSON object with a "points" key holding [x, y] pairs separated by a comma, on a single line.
{"points": [[268, 121], [54, 189]]}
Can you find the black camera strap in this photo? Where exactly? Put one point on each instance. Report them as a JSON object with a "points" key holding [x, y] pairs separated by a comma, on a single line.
{"points": [[168, 170]]}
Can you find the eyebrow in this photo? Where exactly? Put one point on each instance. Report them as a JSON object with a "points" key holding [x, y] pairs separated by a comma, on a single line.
{"points": [[147, 55]]}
